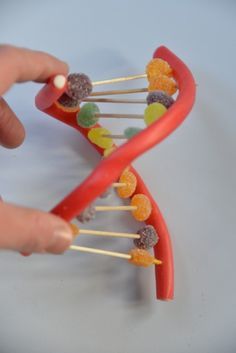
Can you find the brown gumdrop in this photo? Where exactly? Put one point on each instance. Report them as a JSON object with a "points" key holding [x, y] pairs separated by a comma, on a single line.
{"points": [[68, 104], [148, 237]]}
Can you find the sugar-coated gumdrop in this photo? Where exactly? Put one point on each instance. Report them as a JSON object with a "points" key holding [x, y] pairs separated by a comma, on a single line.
{"points": [[144, 207], [156, 67], [75, 229], [148, 238], [68, 103], [108, 151], [160, 97], [130, 180], [79, 86], [86, 117], [153, 112], [131, 131], [87, 215], [106, 193], [163, 83], [140, 257], [95, 135]]}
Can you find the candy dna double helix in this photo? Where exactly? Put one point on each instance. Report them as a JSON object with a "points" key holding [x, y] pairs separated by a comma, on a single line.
{"points": [[73, 101]]}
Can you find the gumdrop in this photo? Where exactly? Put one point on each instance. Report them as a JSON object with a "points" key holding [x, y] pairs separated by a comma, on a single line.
{"points": [[106, 193], [148, 238], [79, 86], [87, 215], [153, 112], [156, 67], [95, 135], [68, 104], [143, 207], [160, 97], [108, 151], [163, 83], [131, 131], [140, 257], [86, 117], [130, 180]]}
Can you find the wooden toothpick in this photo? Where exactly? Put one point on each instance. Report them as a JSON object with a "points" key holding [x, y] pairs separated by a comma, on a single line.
{"points": [[119, 79], [122, 91], [100, 251], [115, 208], [78, 231], [116, 100], [120, 116], [136, 261]]}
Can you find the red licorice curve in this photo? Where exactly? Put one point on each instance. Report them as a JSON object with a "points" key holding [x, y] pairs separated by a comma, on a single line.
{"points": [[110, 168]]}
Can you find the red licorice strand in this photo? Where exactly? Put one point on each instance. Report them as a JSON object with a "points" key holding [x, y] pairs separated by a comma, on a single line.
{"points": [[165, 125], [48, 95], [163, 249], [164, 274], [110, 169]]}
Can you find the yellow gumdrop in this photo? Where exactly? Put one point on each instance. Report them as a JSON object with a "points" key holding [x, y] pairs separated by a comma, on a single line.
{"points": [[153, 112], [108, 151], [96, 136]]}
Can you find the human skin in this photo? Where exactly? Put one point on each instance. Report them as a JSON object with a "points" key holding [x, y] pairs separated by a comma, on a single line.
{"points": [[23, 229]]}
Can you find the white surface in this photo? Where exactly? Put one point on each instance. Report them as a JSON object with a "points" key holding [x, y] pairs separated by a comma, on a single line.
{"points": [[83, 303]]}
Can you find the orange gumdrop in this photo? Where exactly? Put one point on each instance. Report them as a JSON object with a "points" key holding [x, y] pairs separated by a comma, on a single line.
{"points": [[130, 180], [144, 207], [75, 229], [140, 257], [163, 83], [157, 67]]}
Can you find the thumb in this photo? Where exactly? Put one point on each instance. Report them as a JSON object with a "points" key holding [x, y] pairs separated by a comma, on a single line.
{"points": [[27, 230]]}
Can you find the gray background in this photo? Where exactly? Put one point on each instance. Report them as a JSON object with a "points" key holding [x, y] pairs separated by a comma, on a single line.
{"points": [[84, 303]]}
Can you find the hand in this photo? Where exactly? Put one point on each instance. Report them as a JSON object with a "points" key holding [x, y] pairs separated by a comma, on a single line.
{"points": [[24, 229]]}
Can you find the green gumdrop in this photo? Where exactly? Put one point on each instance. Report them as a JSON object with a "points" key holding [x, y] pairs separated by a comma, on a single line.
{"points": [[153, 112], [86, 116], [131, 131]]}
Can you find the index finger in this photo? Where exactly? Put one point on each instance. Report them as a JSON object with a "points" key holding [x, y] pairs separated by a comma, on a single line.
{"points": [[20, 65]]}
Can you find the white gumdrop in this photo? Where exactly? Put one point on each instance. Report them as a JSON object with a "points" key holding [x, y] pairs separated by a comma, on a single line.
{"points": [[59, 81]]}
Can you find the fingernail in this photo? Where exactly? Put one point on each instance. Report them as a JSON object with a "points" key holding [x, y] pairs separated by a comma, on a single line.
{"points": [[61, 234], [25, 253], [60, 241]]}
